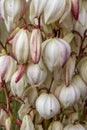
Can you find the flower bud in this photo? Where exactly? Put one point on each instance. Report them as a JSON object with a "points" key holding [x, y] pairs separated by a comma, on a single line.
{"points": [[20, 46], [11, 11], [35, 45], [67, 95], [36, 74], [8, 123], [21, 71], [27, 123], [54, 10], [55, 52], [18, 88], [47, 105], [74, 127], [81, 86], [75, 8], [56, 125], [36, 8], [7, 67]]}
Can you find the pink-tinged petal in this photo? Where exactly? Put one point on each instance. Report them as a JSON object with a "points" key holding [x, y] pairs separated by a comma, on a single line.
{"points": [[35, 46], [14, 41], [4, 66], [75, 8], [66, 52], [21, 71], [13, 33], [1, 84]]}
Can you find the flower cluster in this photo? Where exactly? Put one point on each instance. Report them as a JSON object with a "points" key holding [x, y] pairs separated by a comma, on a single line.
{"points": [[43, 64]]}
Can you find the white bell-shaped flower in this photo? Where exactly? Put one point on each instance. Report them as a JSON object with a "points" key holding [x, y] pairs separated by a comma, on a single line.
{"points": [[47, 105], [77, 80], [54, 10], [55, 53], [67, 95], [11, 11], [7, 67], [36, 74]]}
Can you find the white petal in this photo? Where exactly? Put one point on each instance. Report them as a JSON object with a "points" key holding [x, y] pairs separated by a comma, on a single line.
{"points": [[53, 10]]}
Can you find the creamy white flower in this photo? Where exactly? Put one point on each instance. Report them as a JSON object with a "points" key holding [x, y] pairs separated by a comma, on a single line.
{"points": [[81, 86], [20, 45], [35, 45], [11, 11], [47, 105], [74, 127], [54, 10], [55, 53], [36, 74], [56, 125], [67, 95], [7, 67], [19, 87], [27, 123]]}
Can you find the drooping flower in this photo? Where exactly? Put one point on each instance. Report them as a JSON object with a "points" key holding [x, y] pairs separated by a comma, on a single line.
{"points": [[47, 105], [36, 74], [11, 11], [54, 10], [55, 53], [67, 95], [7, 67]]}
